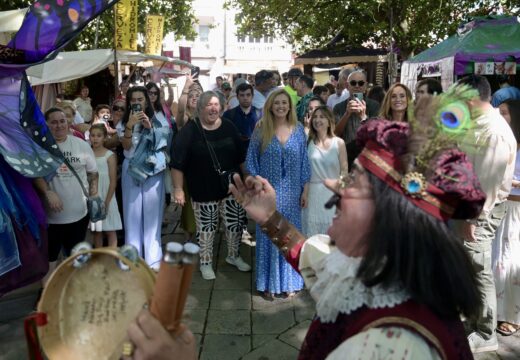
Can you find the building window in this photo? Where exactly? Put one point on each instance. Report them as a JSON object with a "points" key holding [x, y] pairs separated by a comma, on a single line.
{"points": [[268, 39], [241, 38], [204, 33], [251, 39]]}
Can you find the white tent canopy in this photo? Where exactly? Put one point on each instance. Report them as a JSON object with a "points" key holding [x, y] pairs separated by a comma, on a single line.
{"points": [[77, 64], [10, 22]]}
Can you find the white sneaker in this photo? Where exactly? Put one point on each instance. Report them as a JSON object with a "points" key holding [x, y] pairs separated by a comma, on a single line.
{"points": [[207, 272], [478, 344], [239, 263], [246, 236]]}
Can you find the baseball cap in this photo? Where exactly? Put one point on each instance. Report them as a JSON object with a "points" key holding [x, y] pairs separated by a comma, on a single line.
{"points": [[294, 72], [226, 86]]}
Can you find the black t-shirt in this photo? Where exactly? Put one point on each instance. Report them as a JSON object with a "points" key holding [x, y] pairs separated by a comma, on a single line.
{"points": [[191, 156]]}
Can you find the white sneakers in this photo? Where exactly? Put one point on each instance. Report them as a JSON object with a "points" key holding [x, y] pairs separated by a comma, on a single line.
{"points": [[239, 263], [207, 272], [478, 344]]}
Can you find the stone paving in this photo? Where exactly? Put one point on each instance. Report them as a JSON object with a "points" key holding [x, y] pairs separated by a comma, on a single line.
{"points": [[228, 317], [232, 321]]}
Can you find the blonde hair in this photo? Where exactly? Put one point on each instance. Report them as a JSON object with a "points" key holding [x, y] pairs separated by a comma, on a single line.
{"points": [[386, 110], [325, 110], [266, 125], [67, 105]]}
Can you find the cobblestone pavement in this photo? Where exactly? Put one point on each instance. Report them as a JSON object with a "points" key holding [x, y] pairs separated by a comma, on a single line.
{"points": [[230, 320]]}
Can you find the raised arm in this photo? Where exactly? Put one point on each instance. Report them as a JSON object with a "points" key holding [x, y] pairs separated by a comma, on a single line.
{"points": [[183, 100], [168, 102], [258, 198]]}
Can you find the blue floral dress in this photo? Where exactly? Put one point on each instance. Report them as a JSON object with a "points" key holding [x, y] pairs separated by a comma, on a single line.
{"points": [[287, 169]]}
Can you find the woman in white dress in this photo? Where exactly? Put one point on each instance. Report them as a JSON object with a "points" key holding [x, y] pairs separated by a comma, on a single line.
{"points": [[506, 247], [328, 159]]}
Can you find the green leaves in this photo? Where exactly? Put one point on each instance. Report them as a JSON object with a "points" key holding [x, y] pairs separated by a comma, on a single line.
{"points": [[412, 25], [178, 15]]}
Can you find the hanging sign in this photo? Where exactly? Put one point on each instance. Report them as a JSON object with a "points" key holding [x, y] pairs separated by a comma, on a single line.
{"points": [[126, 25], [154, 34]]}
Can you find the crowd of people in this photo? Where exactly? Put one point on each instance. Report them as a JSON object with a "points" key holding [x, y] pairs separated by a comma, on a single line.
{"points": [[288, 139]]}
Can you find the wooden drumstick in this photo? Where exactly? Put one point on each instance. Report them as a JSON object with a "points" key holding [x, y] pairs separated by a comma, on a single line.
{"points": [[167, 286], [189, 259]]}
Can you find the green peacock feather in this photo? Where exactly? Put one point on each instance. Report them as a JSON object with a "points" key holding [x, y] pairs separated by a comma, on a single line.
{"points": [[438, 123]]}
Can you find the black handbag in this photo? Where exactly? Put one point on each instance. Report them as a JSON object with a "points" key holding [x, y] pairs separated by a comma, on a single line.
{"points": [[225, 176]]}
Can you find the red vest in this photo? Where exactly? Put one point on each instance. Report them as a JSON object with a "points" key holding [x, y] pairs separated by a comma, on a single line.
{"points": [[447, 336]]}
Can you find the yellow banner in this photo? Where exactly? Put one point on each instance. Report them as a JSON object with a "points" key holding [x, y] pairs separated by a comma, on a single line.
{"points": [[154, 34], [126, 25]]}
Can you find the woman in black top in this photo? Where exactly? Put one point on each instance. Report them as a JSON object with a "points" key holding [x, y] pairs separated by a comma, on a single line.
{"points": [[202, 148]]}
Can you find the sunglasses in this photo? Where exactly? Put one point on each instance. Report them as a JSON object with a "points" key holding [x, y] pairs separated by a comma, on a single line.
{"points": [[155, 93], [356, 83], [345, 181], [118, 108]]}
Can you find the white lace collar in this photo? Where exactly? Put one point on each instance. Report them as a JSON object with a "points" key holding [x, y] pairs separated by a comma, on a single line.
{"points": [[337, 290]]}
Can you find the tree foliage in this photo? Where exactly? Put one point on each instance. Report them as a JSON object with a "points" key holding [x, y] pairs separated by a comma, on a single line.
{"points": [[178, 18], [310, 24]]}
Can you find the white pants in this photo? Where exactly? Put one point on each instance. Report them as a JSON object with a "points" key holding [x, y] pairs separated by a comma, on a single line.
{"points": [[143, 207]]}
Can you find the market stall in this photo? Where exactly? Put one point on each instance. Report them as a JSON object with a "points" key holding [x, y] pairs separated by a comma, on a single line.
{"points": [[486, 45], [77, 64]]}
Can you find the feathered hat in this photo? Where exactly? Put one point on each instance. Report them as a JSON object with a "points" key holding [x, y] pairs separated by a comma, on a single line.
{"points": [[421, 160]]}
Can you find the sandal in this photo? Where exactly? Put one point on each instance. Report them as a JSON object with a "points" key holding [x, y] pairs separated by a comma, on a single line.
{"points": [[506, 329], [290, 294], [266, 295]]}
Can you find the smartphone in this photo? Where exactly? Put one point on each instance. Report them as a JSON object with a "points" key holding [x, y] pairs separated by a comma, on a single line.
{"points": [[358, 96], [136, 107], [195, 72]]}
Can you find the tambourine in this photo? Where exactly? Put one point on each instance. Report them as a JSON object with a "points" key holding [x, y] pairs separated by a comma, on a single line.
{"points": [[89, 302]]}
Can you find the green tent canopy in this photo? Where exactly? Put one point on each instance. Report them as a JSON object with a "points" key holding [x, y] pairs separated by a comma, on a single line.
{"points": [[484, 39]]}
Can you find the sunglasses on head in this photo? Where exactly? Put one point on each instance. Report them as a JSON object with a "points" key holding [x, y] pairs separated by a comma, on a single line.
{"points": [[356, 83], [118, 108]]}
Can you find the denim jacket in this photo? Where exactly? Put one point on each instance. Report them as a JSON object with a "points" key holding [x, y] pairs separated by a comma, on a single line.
{"points": [[150, 153]]}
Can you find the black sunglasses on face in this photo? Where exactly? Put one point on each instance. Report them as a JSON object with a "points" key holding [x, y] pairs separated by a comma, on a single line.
{"points": [[118, 108], [354, 82], [333, 201]]}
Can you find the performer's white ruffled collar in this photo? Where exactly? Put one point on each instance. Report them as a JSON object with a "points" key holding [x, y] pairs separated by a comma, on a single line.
{"points": [[337, 290]]}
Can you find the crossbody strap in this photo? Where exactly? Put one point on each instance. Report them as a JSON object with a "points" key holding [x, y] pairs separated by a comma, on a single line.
{"points": [[212, 154], [71, 168]]}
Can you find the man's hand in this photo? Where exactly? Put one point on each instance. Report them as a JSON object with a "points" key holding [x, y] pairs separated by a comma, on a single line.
{"points": [[467, 231], [54, 201], [152, 342], [358, 107], [256, 196]]}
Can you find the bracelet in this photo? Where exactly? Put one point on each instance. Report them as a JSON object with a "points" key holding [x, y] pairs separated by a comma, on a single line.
{"points": [[185, 92], [127, 137], [282, 233], [128, 128]]}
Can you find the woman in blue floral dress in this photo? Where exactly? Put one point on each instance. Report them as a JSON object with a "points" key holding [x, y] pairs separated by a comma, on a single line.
{"points": [[278, 152]]}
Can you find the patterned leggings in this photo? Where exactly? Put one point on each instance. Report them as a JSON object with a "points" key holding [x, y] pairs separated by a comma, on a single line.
{"points": [[206, 219]]}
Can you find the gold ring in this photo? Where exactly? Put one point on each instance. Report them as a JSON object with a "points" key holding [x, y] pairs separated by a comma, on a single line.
{"points": [[128, 348]]}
